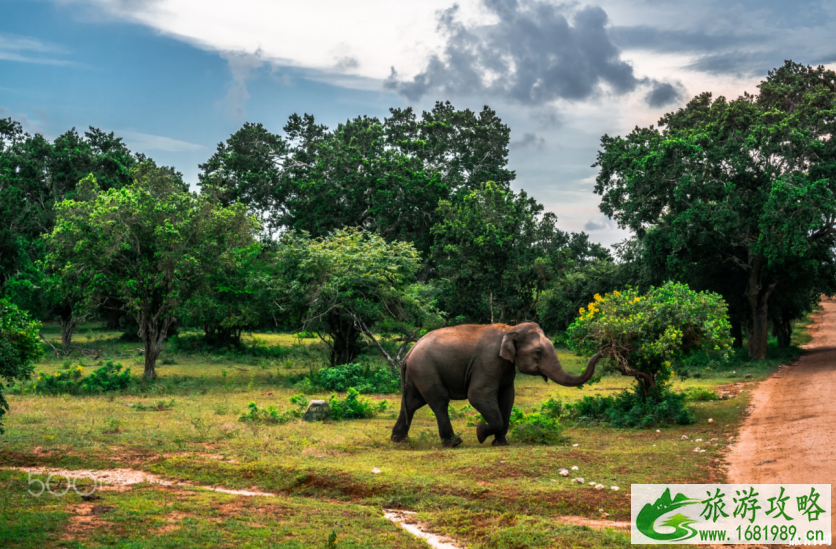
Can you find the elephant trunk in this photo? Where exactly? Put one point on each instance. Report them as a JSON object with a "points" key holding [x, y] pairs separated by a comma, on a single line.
{"points": [[556, 373]]}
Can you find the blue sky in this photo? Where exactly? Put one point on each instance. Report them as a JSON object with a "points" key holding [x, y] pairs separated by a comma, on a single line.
{"points": [[175, 77]]}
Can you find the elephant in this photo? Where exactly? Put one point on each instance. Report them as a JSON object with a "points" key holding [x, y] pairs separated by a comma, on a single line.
{"points": [[477, 362]]}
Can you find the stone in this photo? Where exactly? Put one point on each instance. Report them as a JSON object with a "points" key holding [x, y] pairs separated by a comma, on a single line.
{"points": [[317, 411]]}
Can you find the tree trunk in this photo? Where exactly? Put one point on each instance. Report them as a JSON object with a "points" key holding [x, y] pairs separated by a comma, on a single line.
{"points": [[152, 352], [68, 326], [758, 297], [152, 332]]}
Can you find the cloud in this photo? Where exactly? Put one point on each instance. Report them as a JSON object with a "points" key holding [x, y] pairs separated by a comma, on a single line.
{"points": [[663, 94], [346, 63], [241, 65], [533, 55], [529, 140], [604, 223], [4, 111], [23, 49], [147, 142]]}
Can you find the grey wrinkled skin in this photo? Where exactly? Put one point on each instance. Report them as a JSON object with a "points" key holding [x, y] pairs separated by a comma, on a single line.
{"points": [[477, 362]]}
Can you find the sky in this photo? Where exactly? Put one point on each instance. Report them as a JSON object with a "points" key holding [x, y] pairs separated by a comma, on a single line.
{"points": [[174, 78]]}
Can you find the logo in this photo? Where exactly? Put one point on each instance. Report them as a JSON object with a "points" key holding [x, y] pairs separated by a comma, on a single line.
{"points": [[797, 514]]}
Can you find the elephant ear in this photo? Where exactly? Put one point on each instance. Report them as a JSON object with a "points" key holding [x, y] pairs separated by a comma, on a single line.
{"points": [[508, 349]]}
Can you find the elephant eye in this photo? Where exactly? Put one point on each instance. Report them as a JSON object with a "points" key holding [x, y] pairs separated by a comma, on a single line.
{"points": [[539, 353]]}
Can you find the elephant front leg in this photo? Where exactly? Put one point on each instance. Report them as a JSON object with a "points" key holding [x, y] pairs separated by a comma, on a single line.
{"points": [[493, 424]]}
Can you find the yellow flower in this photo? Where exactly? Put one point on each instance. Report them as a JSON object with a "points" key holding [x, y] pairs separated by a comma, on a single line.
{"points": [[79, 368], [580, 311], [616, 293], [57, 374], [636, 300], [598, 297]]}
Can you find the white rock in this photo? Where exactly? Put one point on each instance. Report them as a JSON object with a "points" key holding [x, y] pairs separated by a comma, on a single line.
{"points": [[698, 440], [575, 445], [376, 471], [564, 472], [614, 488], [593, 483], [605, 515], [579, 480], [658, 430], [574, 467], [697, 449], [702, 451], [599, 486], [684, 437], [600, 510], [710, 420]]}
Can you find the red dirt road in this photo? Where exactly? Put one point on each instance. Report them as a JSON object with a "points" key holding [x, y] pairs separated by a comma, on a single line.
{"points": [[790, 433]]}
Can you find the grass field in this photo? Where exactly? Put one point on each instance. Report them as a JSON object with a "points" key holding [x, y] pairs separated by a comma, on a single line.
{"points": [[483, 496]]}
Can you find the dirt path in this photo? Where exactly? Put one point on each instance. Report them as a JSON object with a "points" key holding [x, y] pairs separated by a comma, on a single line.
{"points": [[790, 433]]}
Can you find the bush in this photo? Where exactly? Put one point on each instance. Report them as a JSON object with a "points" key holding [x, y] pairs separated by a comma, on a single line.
{"points": [[19, 347], [353, 406], [363, 378], [106, 379], [541, 427], [700, 394], [633, 409], [272, 415]]}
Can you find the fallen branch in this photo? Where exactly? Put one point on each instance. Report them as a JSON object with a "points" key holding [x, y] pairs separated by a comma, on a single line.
{"points": [[58, 353]]}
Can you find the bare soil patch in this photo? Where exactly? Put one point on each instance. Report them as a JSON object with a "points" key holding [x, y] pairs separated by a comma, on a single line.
{"points": [[789, 435]]}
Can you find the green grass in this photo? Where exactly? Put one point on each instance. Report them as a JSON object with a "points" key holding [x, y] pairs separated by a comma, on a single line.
{"points": [[487, 497]]}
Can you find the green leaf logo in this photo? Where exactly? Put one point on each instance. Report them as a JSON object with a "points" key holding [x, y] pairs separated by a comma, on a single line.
{"points": [[649, 514]]}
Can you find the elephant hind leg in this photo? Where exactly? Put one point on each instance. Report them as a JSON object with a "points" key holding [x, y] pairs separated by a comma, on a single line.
{"points": [[410, 402]]}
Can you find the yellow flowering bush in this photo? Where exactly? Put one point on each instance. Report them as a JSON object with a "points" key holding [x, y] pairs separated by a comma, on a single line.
{"points": [[641, 334]]}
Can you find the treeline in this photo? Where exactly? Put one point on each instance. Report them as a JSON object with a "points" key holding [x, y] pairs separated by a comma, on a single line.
{"points": [[391, 227]]}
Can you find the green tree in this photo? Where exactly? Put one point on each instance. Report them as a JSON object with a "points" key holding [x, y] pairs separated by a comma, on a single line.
{"points": [[641, 334], [19, 347], [496, 251], [229, 300], [385, 175], [149, 244], [353, 283], [751, 182]]}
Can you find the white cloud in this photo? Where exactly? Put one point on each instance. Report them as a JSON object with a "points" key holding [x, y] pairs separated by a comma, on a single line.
{"points": [[142, 142], [30, 50]]}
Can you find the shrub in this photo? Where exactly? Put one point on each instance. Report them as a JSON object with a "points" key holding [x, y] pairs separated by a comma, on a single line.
{"points": [[363, 378], [538, 428], [541, 427], [642, 334], [632, 409], [108, 378], [353, 406], [700, 394], [272, 415], [19, 347]]}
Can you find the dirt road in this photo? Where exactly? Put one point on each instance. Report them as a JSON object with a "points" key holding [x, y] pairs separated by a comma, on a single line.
{"points": [[790, 433]]}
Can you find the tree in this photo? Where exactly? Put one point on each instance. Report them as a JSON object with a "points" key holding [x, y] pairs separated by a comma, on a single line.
{"points": [[19, 347], [385, 175], [149, 244], [750, 182], [353, 283], [641, 334], [229, 301], [495, 252]]}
